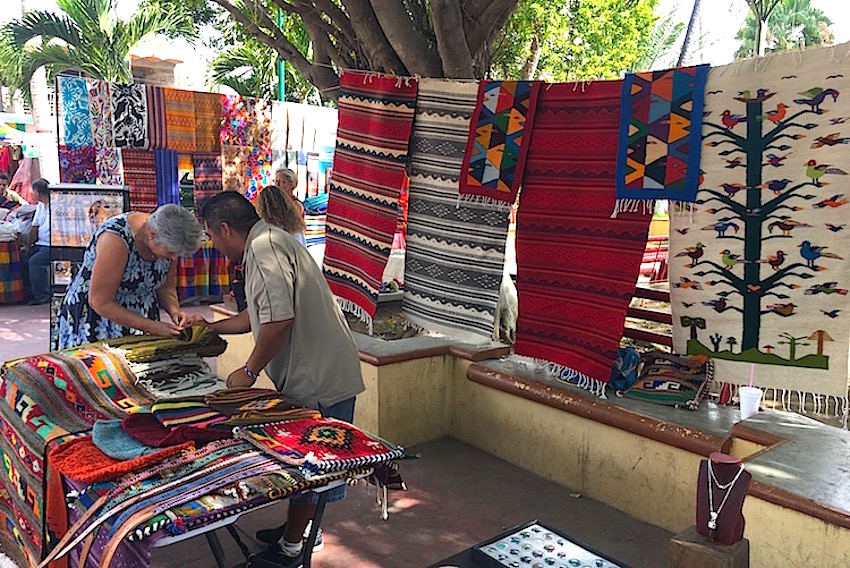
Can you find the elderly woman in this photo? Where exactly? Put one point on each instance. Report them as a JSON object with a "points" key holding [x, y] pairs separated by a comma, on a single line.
{"points": [[285, 179], [129, 271], [276, 207]]}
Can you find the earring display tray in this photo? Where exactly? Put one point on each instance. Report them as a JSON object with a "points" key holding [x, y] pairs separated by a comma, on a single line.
{"points": [[535, 545]]}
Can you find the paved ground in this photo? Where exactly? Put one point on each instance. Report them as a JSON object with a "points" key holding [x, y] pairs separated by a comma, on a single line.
{"points": [[457, 496]]}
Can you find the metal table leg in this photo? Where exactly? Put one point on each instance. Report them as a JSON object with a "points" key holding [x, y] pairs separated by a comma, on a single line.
{"points": [[215, 546], [314, 528]]}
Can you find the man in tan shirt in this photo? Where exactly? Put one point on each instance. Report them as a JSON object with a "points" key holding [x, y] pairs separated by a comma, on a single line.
{"points": [[301, 338]]}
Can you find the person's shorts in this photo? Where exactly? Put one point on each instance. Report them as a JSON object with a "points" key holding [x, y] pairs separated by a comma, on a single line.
{"points": [[341, 411]]}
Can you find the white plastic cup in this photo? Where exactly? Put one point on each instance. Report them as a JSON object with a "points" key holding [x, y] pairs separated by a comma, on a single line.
{"points": [[750, 399]]}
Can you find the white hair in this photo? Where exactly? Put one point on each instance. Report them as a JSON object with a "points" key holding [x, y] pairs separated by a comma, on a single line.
{"points": [[177, 229], [288, 173]]}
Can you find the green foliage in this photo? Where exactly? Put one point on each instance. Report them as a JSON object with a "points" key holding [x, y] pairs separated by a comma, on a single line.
{"points": [[579, 39], [85, 36], [791, 24], [655, 48]]}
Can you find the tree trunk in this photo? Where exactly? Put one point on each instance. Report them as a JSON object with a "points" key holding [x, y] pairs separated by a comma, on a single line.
{"points": [[752, 294], [533, 59], [689, 34], [761, 37]]}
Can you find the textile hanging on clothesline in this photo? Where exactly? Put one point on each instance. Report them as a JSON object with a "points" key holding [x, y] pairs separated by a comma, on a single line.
{"points": [[208, 178], [74, 118], [180, 117], [760, 273], [129, 115], [660, 132], [260, 123], [236, 120], [157, 126], [100, 111], [140, 175], [77, 165], [167, 178], [208, 113], [496, 148], [234, 166], [455, 252], [108, 166], [576, 267], [258, 174], [375, 120]]}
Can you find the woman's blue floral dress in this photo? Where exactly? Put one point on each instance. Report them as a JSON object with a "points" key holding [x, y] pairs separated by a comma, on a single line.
{"points": [[77, 323]]}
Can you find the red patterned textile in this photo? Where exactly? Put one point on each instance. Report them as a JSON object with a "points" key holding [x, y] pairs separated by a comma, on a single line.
{"points": [[577, 268], [140, 175], [77, 165], [375, 120]]}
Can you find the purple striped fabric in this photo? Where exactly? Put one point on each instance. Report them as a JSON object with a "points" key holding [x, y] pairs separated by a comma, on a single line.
{"points": [[157, 133]]}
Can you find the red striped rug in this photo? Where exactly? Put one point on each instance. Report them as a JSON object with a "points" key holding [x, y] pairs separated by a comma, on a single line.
{"points": [[140, 175], [577, 268], [375, 120]]}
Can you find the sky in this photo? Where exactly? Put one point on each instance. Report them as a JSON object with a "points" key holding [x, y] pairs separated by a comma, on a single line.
{"points": [[718, 45]]}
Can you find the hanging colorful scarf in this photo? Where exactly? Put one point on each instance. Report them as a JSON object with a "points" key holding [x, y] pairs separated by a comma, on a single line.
{"points": [[258, 174], [108, 166], [234, 168], [660, 131], [74, 118], [77, 165], [761, 273], [576, 267], [208, 111], [455, 252], [236, 120], [320, 445], [167, 178], [100, 110], [157, 122], [180, 117], [140, 175], [129, 115], [208, 179], [497, 144], [259, 126], [375, 120]]}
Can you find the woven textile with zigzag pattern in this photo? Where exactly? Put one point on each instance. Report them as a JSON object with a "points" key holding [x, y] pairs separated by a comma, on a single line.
{"points": [[375, 120], [455, 251], [577, 268]]}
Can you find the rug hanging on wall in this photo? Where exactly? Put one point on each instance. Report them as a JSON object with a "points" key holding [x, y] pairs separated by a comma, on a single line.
{"points": [[77, 165], [129, 115], [761, 272], [375, 120], [576, 267], [207, 121], [74, 118], [157, 121], [497, 141], [140, 175], [180, 117], [660, 131], [455, 252], [207, 178], [167, 180]]}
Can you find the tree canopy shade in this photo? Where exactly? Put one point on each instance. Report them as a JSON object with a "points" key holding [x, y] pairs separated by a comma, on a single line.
{"points": [[790, 24], [86, 36]]}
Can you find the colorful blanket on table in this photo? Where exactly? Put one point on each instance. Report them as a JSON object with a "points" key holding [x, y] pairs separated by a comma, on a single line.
{"points": [[497, 144], [129, 115], [207, 121], [157, 121], [74, 118], [180, 117], [320, 445], [11, 275], [77, 165], [455, 251], [576, 267], [208, 178], [140, 175], [375, 120], [760, 273], [660, 131], [167, 178]]}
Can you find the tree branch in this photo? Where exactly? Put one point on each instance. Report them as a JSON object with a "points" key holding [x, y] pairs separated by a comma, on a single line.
{"points": [[451, 41], [483, 19], [771, 281], [773, 134], [724, 131], [414, 49], [380, 54], [739, 209], [319, 30], [771, 205], [733, 280]]}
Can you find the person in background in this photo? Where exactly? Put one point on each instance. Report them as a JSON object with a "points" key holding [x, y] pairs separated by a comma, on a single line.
{"points": [[285, 179], [37, 247], [275, 208], [8, 198], [301, 338], [129, 271]]}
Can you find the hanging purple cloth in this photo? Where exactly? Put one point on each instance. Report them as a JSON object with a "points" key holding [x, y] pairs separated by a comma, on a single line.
{"points": [[167, 181]]}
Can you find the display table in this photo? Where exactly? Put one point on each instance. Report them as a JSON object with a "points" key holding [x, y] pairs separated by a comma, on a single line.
{"points": [[11, 274]]}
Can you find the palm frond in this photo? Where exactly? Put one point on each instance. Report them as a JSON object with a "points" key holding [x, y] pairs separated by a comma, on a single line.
{"points": [[93, 16], [55, 59], [45, 25], [150, 21]]}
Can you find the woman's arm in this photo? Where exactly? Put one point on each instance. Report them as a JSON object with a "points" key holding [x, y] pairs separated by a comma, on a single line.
{"points": [[105, 279], [168, 297]]}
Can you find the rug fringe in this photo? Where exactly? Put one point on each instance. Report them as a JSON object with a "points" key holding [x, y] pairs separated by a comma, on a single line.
{"points": [[564, 374], [632, 206], [483, 201], [352, 308], [820, 403]]}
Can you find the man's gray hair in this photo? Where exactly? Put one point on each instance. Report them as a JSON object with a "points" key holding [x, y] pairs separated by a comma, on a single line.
{"points": [[176, 229]]}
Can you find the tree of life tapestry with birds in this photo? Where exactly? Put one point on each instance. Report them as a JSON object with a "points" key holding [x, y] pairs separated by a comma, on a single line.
{"points": [[760, 272]]}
